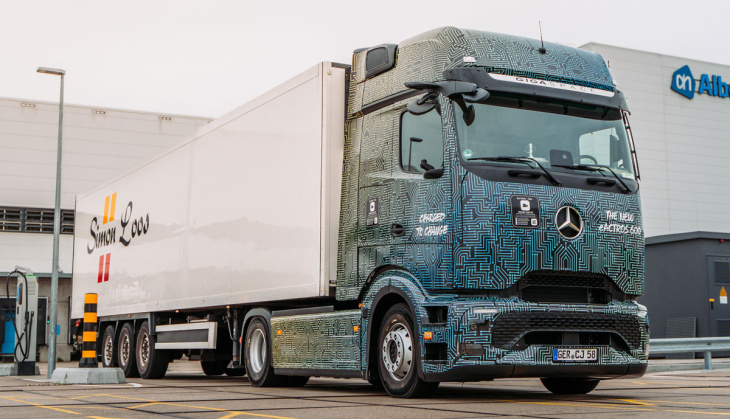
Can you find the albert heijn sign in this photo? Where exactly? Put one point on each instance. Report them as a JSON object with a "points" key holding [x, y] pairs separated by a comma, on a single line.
{"points": [[686, 85]]}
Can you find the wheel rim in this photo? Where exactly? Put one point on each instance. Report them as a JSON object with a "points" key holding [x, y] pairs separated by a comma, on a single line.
{"points": [[144, 350], [397, 352], [124, 350], [108, 350], [257, 351]]}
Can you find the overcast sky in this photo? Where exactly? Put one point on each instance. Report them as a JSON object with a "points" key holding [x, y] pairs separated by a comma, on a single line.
{"points": [[205, 57]]}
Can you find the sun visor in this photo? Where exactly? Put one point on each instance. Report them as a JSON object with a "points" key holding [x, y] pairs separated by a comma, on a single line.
{"points": [[545, 87]]}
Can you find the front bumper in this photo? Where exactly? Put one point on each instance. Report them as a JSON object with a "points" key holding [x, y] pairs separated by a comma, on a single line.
{"points": [[481, 372], [468, 352]]}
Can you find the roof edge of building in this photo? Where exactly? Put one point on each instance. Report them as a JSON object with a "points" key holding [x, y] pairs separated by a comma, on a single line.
{"points": [[643, 51], [692, 235]]}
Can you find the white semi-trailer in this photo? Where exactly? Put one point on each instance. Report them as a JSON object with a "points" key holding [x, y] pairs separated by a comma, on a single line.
{"points": [[438, 211], [245, 211]]}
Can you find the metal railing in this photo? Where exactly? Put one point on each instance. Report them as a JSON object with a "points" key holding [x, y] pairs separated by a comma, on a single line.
{"points": [[688, 345]]}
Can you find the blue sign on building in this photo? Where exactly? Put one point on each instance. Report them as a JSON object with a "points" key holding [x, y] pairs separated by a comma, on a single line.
{"points": [[683, 82]]}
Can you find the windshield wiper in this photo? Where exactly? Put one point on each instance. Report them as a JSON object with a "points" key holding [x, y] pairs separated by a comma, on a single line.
{"points": [[525, 160], [596, 168]]}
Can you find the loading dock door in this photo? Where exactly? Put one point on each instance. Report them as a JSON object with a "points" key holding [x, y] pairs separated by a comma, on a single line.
{"points": [[718, 270]]}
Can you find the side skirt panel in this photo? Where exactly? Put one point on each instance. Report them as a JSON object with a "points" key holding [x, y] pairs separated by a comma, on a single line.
{"points": [[317, 342]]}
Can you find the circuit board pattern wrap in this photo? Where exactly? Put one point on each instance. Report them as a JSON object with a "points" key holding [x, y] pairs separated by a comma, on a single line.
{"points": [[467, 325], [317, 341], [477, 249]]}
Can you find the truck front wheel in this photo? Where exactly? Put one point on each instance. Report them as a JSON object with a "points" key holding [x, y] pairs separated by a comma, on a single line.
{"points": [[151, 362], [126, 353], [258, 355], [398, 356], [567, 385]]}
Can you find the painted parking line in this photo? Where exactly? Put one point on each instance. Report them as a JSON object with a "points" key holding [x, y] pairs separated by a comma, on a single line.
{"points": [[632, 408], [57, 409], [147, 402]]}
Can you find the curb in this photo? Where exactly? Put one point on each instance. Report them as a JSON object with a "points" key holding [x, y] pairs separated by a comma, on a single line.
{"points": [[686, 366]]}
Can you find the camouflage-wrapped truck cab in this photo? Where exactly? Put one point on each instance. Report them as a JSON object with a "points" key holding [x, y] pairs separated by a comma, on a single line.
{"points": [[493, 225]]}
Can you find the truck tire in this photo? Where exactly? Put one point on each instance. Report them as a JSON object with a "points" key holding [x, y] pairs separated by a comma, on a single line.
{"points": [[398, 356], [568, 385], [213, 367], [151, 363], [235, 372], [258, 355], [109, 349], [126, 353]]}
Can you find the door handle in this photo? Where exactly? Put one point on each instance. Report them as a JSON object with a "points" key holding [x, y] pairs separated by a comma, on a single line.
{"points": [[712, 303], [397, 230]]}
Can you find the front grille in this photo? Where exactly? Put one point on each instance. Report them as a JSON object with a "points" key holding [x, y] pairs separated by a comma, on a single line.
{"points": [[509, 328], [566, 287]]}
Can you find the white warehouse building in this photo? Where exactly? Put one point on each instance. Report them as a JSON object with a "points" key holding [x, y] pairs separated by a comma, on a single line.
{"points": [[98, 143], [683, 144], [679, 118]]}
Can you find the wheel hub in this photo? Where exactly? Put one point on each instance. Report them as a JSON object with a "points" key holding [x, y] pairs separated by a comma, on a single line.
{"points": [[397, 352], [257, 351], [108, 350], [124, 353], [144, 350]]}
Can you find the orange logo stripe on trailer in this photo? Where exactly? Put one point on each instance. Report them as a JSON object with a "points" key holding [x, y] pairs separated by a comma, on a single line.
{"points": [[109, 205]]}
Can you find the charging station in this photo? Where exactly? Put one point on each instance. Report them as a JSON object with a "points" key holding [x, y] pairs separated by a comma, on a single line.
{"points": [[26, 319], [25, 323]]}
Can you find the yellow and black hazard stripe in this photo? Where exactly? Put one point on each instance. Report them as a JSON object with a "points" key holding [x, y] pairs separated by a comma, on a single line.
{"points": [[91, 327]]}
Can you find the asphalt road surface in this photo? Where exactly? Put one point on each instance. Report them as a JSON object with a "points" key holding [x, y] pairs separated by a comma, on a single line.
{"points": [[186, 393]]}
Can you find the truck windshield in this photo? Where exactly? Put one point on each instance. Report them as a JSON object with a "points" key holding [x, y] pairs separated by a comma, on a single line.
{"points": [[556, 134]]}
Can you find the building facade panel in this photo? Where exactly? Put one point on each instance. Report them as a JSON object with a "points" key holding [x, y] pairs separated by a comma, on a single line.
{"points": [[98, 144], [688, 174]]}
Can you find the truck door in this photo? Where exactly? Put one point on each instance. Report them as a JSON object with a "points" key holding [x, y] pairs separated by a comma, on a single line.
{"points": [[421, 220], [403, 216], [375, 191], [718, 273]]}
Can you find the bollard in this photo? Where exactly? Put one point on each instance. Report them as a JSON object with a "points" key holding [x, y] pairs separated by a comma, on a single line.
{"points": [[88, 349]]}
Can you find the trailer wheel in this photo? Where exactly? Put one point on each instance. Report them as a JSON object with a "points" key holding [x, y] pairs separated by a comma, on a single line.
{"points": [[151, 363], [108, 348], [398, 360], [568, 385], [258, 355], [296, 381], [126, 353], [213, 367]]}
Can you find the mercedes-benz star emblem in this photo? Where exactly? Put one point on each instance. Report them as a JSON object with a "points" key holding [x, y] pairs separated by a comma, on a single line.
{"points": [[569, 222]]}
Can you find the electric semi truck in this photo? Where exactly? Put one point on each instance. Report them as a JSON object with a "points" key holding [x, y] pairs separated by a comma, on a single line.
{"points": [[462, 206]]}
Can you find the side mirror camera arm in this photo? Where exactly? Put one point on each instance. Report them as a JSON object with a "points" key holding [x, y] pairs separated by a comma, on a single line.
{"points": [[460, 92]]}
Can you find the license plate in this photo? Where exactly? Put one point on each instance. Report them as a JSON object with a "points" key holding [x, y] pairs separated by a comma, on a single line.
{"points": [[575, 355]]}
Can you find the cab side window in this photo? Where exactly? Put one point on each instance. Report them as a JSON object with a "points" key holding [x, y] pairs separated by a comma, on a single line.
{"points": [[420, 139]]}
